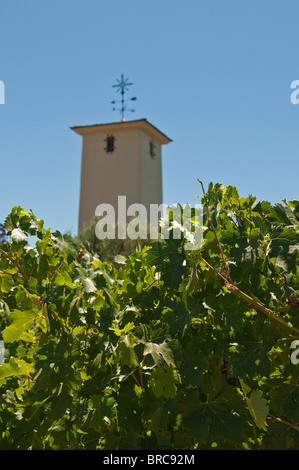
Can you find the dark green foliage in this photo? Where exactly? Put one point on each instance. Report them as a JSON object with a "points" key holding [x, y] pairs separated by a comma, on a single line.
{"points": [[107, 249], [162, 349]]}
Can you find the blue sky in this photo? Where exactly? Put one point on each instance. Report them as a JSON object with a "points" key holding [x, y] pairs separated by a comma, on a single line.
{"points": [[214, 76]]}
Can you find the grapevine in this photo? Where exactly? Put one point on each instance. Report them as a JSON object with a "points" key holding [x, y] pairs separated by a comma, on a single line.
{"points": [[162, 349]]}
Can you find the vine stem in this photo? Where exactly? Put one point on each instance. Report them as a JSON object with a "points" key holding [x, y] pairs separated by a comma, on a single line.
{"points": [[16, 264], [213, 269], [290, 338], [141, 383], [10, 274], [258, 306], [253, 302], [138, 383], [149, 285], [254, 434], [284, 422], [56, 271]]}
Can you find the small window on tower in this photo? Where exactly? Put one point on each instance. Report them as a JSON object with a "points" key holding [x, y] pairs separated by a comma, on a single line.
{"points": [[152, 149], [110, 143]]}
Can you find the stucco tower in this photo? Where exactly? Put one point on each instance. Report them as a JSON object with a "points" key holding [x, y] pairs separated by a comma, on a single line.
{"points": [[120, 159]]}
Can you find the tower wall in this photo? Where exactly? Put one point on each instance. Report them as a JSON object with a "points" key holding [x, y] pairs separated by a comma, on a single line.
{"points": [[151, 191], [133, 169], [105, 176]]}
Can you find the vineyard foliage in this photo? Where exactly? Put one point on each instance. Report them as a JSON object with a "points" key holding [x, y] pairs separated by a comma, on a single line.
{"points": [[168, 349]]}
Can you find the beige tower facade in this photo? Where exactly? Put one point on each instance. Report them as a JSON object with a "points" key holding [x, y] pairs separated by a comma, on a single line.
{"points": [[120, 159]]}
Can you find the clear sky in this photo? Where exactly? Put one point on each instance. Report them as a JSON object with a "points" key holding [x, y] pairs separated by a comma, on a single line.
{"points": [[213, 75]]}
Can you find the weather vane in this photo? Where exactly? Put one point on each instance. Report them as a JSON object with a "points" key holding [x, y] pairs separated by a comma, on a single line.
{"points": [[122, 87]]}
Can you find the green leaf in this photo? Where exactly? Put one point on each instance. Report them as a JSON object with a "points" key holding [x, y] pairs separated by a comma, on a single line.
{"points": [[104, 408], [6, 283], [20, 322], [257, 405], [89, 285], [285, 399], [173, 271], [159, 352], [160, 251], [253, 347], [128, 356], [193, 369], [120, 259], [58, 405], [14, 368], [163, 382], [64, 279], [213, 416], [156, 420], [216, 420]]}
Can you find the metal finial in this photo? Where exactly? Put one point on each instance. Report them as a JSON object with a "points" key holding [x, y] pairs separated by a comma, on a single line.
{"points": [[122, 87]]}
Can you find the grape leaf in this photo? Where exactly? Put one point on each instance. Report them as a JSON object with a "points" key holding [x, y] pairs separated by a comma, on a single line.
{"points": [[20, 322], [15, 367], [257, 405], [164, 382]]}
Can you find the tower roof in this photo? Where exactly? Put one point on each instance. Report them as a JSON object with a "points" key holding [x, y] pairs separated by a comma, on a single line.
{"points": [[139, 124]]}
